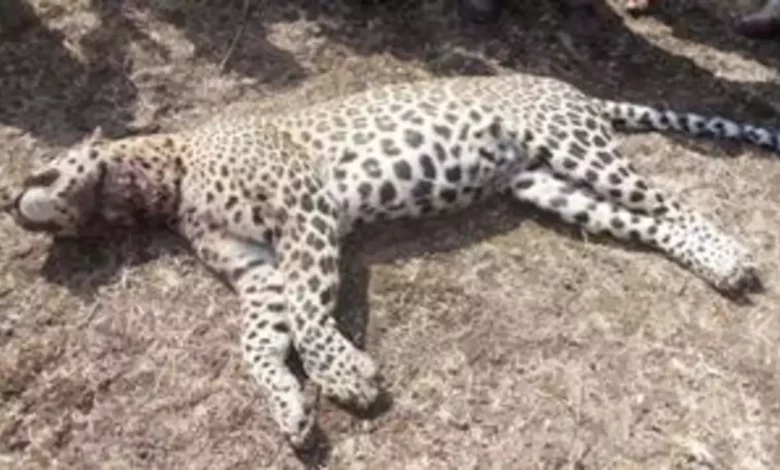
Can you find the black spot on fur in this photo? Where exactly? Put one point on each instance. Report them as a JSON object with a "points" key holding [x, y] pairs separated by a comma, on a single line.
{"points": [[558, 202], [372, 168], [473, 171], [487, 155], [402, 170], [582, 218], [443, 131], [605, 157], [323, 205], [557, 132], [320, 224], [441, 154], [422, 189], [364, 190], [429, 170], [306, 203], [389, 148], [306, 260], [543, 154], [326, 296], [257, 215], [387, 193], [455, 151], [645, 120], [453, 174], [495, 129], [464, 132], [524, 183], [314, 283], [315, 242], [348, 156], [413, 138], [448, 195], [327, 264], [577, 150]]}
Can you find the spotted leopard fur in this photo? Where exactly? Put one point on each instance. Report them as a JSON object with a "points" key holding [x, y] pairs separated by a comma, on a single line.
{"points": [[265, 199]]}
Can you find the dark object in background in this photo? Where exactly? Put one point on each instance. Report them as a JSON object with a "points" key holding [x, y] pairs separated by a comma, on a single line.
{"points": [[480, 11], [489, 11], [15, 17], [763, 24]]}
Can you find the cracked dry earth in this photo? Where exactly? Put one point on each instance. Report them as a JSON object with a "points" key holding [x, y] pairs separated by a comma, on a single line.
{"points": [[507, 340]]}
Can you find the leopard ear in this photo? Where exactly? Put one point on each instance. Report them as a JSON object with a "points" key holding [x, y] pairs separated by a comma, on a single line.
{"points": [[96, 136]]}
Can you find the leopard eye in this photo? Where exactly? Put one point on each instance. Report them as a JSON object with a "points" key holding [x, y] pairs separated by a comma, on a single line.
{"points": [[45, 178]]}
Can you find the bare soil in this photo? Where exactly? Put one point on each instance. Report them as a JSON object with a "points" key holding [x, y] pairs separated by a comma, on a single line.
{"points": [[507, 340]]}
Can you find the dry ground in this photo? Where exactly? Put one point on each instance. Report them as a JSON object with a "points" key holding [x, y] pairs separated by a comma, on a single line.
{"points": [[507, 340]]}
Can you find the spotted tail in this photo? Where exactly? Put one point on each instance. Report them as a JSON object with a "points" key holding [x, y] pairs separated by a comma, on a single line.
{"points": [[637, 117]]}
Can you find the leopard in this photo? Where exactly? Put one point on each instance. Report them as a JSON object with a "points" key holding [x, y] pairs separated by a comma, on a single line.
{"points": [[265, 200]]}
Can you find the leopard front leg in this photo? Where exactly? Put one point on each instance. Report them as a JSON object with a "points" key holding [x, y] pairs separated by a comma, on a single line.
{"points": [[309, 255], [266, 339]]}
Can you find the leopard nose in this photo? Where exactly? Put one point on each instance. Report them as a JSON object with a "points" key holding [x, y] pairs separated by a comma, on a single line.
{"points": [[44, 178], [18, 217]]}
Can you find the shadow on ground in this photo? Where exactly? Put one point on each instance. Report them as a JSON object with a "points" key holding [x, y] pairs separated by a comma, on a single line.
{"points": [[591, 47], [52, 93], [58, 91], [84, 265], [711, 22], [49, 91]]}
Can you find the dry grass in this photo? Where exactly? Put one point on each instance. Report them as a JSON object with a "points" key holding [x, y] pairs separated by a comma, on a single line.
{"points": [[507, 341]]}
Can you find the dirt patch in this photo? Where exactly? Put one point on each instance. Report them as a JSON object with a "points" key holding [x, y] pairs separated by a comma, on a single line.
{"points": [[507, 341]]}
